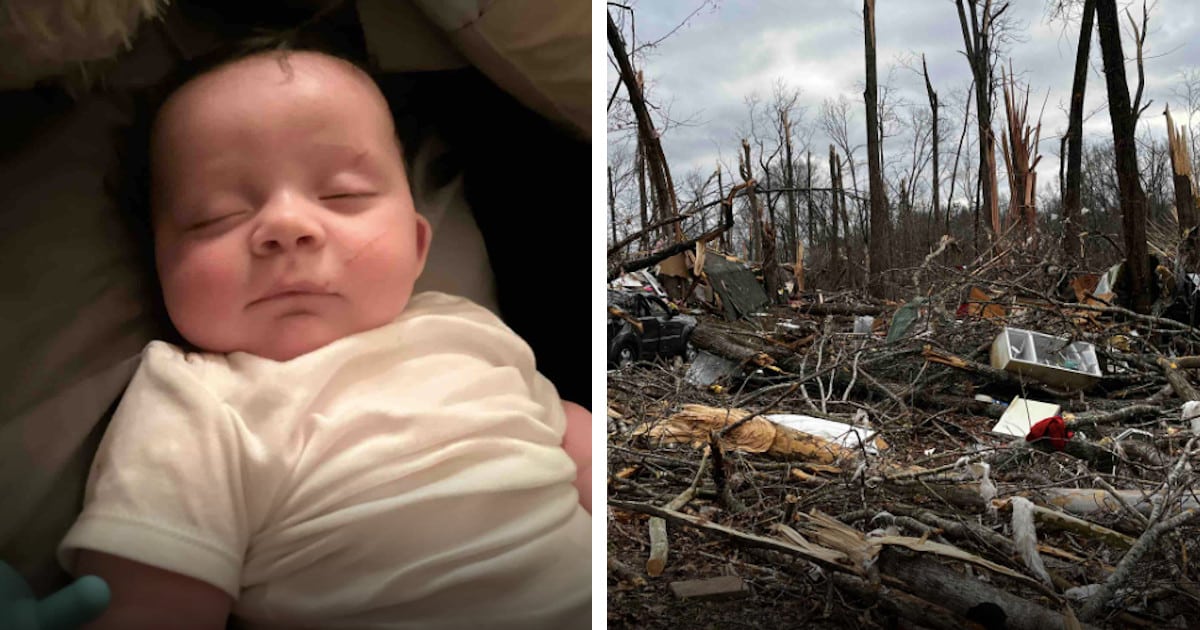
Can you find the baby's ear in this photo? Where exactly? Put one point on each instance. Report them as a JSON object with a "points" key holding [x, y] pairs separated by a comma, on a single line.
{"points": [[424, 236]]}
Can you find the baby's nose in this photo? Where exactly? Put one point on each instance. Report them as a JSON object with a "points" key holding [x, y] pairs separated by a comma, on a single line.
{"points": [[286, 227]]}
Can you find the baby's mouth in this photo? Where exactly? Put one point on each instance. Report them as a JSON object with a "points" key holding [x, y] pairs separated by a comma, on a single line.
{"points": [[291, 292]]}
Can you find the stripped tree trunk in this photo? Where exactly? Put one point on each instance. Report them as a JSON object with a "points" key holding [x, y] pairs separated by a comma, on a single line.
{"points": [[790, 173], [1133, 198], [834, 258], [1072, 201], [933, 109], [877, 264]]}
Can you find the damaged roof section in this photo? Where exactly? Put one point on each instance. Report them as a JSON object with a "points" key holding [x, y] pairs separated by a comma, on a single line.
{"points": [[734, 282]]}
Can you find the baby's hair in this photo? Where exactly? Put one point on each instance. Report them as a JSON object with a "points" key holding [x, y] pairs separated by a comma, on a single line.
{"points": [[130, 180]]}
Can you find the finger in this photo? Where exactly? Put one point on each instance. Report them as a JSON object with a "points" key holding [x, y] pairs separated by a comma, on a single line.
{"points": [[74, 605]]}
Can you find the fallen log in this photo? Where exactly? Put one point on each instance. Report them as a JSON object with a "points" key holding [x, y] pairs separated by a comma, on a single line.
{"points": [[721, 344], [821, 310], [1176, 378], [959, 593], [1065, 522]]}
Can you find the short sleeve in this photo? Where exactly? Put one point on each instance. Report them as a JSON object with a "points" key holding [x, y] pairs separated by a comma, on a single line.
{"points": [[165, 488]]}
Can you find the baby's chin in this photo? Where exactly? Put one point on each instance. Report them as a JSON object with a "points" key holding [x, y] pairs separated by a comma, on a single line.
{"points": [[288, 338]]}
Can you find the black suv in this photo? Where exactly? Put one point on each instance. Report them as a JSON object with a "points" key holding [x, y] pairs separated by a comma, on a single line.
{"points": [[664, 331]]}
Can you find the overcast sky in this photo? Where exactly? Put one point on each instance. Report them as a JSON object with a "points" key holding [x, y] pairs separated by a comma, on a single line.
{"points": [[704, 71]]}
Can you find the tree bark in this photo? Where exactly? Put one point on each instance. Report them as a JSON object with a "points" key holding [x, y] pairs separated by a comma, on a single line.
{"points": [[1072, 201], [1133, 198], [879, 214]]}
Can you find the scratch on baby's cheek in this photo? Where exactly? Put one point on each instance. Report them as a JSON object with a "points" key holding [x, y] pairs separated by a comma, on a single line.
{"points": [[365, 246]]}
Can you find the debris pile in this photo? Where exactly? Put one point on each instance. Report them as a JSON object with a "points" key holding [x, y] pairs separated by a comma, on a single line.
{"points": [[1011, 449]]}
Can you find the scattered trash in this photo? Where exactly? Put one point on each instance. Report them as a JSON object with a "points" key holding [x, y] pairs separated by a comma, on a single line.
{"points": [[694, 424], [903, 319], [1054, 429], [707, 369], [863, 324], [1021, 415], [1191, 414], [1052, 360], [850, 437]]}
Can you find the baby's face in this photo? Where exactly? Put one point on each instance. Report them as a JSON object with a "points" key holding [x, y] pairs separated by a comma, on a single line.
{"points": [[282, 214]]}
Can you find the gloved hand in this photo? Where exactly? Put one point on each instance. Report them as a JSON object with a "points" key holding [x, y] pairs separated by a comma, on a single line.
{"points": [[69, 608], [1054, 428]]}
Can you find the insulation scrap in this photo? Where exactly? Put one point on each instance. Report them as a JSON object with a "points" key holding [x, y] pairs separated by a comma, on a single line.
{"points": [[694, 423]]}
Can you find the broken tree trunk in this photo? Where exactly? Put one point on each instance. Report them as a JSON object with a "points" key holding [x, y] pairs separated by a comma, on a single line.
{"points": [[1020, 144], [959, 593], [656, 162], [1186, 196], [933, 112], [770, 276], [879, 212], [977, 37]]}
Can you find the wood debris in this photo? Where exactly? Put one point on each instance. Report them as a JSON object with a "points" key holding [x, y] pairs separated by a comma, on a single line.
{"points": [[920, 531]]}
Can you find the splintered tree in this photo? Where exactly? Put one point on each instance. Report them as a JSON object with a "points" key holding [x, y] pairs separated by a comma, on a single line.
{"points": [[879, 213], [977, 32], [1129, 188], [1020, 144]]}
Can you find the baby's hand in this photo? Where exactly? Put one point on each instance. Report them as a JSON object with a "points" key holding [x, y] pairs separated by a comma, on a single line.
{"points": [[69, 608], [577, 442]]}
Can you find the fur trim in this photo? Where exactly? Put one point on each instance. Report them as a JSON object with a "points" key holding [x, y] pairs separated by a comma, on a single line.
{"points": [[47, 38]]}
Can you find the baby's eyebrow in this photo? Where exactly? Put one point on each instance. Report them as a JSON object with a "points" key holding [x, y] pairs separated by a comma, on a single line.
{"points": [[346, 157]]}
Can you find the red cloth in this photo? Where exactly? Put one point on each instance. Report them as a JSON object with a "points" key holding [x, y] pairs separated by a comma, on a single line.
{"points": [[1054, 428]]}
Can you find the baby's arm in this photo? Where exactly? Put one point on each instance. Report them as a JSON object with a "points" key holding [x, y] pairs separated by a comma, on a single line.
{"points": [[577, 441], [148, 597]]}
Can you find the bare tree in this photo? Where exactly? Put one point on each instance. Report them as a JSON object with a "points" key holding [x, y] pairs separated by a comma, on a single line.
{"points": [[834, 120]]}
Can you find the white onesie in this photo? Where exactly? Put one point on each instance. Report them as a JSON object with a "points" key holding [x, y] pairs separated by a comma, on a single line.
{"points": [[410, 476]]}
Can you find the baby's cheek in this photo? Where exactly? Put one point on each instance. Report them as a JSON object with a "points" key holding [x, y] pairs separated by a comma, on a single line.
{"points": [[203, 286], [382, 270]]}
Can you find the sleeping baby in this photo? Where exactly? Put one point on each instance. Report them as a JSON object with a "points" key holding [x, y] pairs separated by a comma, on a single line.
{"points": [[341, 453]]}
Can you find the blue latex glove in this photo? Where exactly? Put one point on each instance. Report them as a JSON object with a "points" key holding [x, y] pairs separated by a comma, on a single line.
{"points": [[69, 608]]}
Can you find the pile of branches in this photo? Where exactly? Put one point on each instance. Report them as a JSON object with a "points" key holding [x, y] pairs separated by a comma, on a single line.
{"points": [[941, 523]]}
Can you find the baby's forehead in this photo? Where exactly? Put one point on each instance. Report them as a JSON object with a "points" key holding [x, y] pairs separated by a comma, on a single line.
{"points": [[302, 71]]}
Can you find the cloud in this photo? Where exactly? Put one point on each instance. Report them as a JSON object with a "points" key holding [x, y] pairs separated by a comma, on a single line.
{"points": [[706, 69]]}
